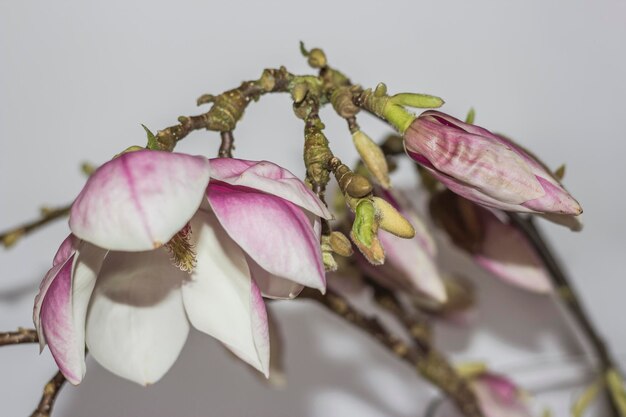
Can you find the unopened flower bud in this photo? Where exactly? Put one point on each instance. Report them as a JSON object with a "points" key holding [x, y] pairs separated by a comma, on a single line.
{"points": [[340, 244], [317, 58], [299, 91], [391, 220], [364, 232], [373, 158], [485, 168]]}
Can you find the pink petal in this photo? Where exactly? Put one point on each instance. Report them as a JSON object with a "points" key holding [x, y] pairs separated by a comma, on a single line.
{"points": [[221, 299], [270, 178], [507, 254], [65, 250], [136, 326], [478, 161], [63, 309], [139, 200], [275, 233]]}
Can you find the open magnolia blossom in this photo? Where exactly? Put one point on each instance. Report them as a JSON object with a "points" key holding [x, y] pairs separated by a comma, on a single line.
{"points": [[409, 263], [486, 168], [162, 240]]}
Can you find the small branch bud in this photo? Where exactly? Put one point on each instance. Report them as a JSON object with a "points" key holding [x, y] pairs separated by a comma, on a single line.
{"points": [[391, 220]]}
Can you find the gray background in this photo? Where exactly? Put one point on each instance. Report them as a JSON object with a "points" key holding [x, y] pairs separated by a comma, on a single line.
{"points": [[77, 78]]}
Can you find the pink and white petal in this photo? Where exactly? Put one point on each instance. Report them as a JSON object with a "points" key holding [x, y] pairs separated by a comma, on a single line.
{"points": [[56, 325], [273, 286], [66, 250], [275, 233], [270, 178], [508, 255], [136, 325], [415, 265], [62, 305], [139, 200], [221, 299]]}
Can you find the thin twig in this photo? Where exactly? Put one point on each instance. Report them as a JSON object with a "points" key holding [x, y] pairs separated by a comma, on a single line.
{"points": [[50, 392], [431, 364], [569, 297], [19, 337], [10, 237], [227, 145]]}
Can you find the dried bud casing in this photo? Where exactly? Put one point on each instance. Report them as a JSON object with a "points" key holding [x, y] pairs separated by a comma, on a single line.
{"points": [[391, 220], [373, 158]]}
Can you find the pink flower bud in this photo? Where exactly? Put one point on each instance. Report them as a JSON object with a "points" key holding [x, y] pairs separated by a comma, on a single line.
{"points": [[485, 168]]}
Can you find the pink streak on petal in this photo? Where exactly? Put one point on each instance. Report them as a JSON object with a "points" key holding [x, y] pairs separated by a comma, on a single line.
{"points": [[270, 178], [274, 232], [556, 200], [139, 200]]}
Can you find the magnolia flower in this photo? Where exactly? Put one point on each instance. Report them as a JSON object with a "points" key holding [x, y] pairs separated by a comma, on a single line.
{"points": [[485, 168], [163, 240], [409, 263], [493, 242]]}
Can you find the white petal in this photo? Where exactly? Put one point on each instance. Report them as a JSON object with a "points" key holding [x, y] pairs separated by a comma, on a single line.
{"points": [[136, 325], [221, 299], [273, 286]]}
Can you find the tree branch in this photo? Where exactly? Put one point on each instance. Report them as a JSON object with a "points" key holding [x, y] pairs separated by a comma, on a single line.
{"points": [[48, 215], [19, 337], [569, 297], [429, 363], [50, 392]]}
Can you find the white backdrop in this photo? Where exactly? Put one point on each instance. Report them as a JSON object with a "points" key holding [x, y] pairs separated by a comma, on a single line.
{"points": [[77, 79]]}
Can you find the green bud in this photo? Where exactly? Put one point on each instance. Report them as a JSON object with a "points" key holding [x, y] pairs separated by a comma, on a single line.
{"points": [[419, 101], [373, 158], [364, 232], [391, 220]]}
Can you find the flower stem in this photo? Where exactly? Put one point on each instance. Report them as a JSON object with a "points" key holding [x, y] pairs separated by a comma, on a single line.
{"points": [[50, 392], [19, 337], [569, 297], [431, 364], [48, 215]]}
